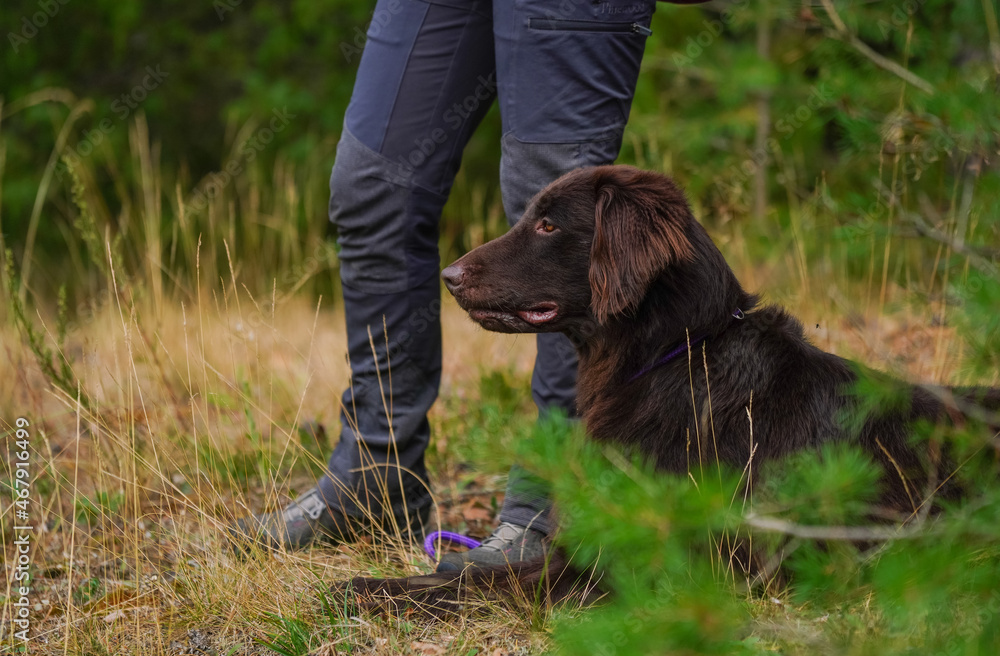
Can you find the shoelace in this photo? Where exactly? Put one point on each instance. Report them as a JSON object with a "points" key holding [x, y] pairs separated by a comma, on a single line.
{"points": [[505, 534]]}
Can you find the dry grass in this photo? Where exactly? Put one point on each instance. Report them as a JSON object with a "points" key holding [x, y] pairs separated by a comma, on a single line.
{"points": [[194, 410], [133, 552]]}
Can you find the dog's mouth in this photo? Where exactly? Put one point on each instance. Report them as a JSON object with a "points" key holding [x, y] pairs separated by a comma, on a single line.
{"points": [[542, 313], [537, 316]]}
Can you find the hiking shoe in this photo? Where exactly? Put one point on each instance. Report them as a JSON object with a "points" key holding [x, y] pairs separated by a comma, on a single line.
{"points": [[306, 520], [509, 543]]}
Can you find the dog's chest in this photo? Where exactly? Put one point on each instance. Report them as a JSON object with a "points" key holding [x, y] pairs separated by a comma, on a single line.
{"points": [[657, 416]]}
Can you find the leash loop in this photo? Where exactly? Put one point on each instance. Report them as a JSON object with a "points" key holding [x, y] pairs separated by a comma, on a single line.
{"points": [[449, 538]]}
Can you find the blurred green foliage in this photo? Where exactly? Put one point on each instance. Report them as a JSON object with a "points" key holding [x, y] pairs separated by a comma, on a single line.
{"points": [[661, 544], [837, 118], [221, 62], [877, 158]]}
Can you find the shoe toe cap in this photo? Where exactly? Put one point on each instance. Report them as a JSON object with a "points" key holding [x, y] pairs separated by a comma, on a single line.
{"points": [[451, 563]]}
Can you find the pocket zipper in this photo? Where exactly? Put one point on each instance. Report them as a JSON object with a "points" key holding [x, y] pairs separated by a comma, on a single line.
{"points": [[587, 26]]}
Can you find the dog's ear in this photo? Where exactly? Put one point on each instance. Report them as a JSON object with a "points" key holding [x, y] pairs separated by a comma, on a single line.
{"points": [[640, 228]]}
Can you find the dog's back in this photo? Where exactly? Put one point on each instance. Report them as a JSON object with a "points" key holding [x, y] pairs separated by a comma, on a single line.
{"points": [[761, 388]]}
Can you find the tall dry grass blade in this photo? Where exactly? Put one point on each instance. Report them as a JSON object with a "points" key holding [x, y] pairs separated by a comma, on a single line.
{"points": [[763, 131], [72, 533], [152, 219], [3, 166], [694, 409], [711, 416], [76, 111]]}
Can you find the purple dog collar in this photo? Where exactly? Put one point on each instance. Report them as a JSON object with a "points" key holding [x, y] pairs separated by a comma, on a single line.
{"points": [[737, 314], [667, 358], [450, 538]]}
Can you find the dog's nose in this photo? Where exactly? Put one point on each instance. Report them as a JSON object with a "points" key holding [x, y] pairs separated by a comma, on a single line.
{"points": [[453, 276]]}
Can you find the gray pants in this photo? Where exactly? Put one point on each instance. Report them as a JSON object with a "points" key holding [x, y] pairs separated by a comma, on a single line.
{"points": [[564, 72]]}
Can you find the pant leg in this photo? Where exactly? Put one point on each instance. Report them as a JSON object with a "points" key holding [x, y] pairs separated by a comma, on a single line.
{"points": [[565, 95], [425, 80]]}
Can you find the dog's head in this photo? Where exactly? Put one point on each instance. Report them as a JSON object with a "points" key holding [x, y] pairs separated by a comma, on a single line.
{"points": [[587, 248]]}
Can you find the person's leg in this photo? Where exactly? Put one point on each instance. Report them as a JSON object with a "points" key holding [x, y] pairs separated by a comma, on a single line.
{"points": [[553, 385], [426, 79], [571, 115], [566, 74], [423, 86]]}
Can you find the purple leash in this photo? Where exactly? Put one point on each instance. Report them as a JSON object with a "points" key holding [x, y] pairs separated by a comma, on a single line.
{"points": [[667, 358], [738, 314], [450, 538]]}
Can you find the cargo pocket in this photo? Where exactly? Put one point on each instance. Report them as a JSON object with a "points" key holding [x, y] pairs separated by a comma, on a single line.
{"points": [[558, 25], [576, 76]]}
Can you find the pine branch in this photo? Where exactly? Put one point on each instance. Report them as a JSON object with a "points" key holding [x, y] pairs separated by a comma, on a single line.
{"points": [[842, 33], [833, 533]]}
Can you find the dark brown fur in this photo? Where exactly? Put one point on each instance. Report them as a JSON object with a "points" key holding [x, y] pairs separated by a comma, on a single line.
{"points": [[612, 257]]}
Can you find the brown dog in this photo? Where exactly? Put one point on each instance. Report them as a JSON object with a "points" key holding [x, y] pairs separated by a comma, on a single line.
{"points": [[612, 257]]}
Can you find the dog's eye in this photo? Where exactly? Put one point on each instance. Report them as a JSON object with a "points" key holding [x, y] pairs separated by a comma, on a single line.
{"points": [[545, 226]]}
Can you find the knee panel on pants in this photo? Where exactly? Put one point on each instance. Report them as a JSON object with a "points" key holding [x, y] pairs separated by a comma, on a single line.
{"points": [[369, 198], [526, 168]]}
